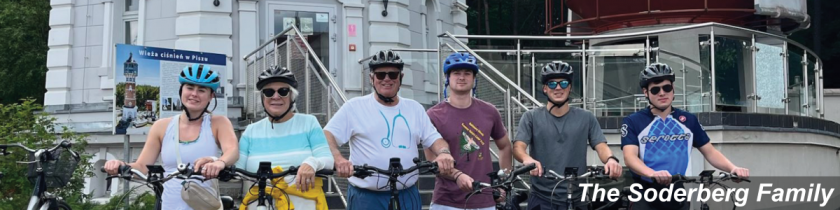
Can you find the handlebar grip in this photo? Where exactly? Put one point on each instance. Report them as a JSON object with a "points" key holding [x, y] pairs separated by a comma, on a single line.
{"points": [[524, 169], [120, 170], [325, 172]]}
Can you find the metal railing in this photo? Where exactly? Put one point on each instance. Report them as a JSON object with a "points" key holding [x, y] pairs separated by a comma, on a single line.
{"points": [[806, 88], [321, 96]]}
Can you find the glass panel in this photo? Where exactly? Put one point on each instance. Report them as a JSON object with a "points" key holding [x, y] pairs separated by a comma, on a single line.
{"points": [[131, 32], [706, 73], [614, 78], [796, 88], [131, 5], [731, 73], [770, 74], [812, 87], [681, 50], [316, 33], [541, 59]]}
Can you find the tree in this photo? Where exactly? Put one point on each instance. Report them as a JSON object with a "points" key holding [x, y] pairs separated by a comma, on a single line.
{"points": [[19, 123], [24, 30]]}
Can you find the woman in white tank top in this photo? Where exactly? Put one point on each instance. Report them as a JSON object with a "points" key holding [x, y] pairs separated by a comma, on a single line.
{"points": [[200, 136]]}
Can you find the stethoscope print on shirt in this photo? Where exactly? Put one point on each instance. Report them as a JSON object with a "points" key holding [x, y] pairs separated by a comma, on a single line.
{"points": [[389, 138]]}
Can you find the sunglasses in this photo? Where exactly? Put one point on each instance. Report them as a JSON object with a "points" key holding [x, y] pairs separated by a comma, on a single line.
{"points": [[284, 92], [381, 75], [666, 88], [563, 84]]}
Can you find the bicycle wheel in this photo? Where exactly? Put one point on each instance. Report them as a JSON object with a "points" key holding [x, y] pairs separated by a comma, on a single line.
{"points": [[60, 205]]}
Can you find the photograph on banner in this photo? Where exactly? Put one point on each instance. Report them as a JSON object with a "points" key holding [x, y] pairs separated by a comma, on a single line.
{"points": [[146, 81]]}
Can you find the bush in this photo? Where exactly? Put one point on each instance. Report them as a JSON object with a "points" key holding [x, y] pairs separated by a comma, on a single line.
{"points": [[21, 123]]}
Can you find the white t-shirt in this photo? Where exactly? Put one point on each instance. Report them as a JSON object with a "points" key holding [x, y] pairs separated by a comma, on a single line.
{"points": [[377, 133]]}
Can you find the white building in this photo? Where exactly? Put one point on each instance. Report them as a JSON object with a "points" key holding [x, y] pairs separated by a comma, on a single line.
{"points": [[84, 33]]}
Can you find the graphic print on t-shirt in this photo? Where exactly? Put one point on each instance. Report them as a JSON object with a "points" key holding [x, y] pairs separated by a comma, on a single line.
{"points": [[467, 140], [389, 140], [665, 146]]}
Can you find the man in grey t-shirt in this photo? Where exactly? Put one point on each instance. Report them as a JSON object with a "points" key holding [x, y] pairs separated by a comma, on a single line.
{"points": [[557, 135]]}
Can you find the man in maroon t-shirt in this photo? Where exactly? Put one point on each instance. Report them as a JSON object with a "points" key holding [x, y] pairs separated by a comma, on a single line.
{"points": [[467, 124]]}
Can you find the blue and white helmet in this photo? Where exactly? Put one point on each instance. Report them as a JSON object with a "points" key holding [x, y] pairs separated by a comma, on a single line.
{"points": [[201, 75]]}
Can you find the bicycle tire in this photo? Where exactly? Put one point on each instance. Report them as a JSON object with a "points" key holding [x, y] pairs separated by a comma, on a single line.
{"points": [[60, 205]]}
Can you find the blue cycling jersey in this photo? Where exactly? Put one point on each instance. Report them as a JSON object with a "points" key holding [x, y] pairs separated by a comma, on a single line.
{"points": [[664, 144]]}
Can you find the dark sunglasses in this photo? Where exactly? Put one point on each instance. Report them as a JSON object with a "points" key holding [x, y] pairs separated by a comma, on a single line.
{"points": [[268, 93], [666, 88], [563, 84], [381, 75]]}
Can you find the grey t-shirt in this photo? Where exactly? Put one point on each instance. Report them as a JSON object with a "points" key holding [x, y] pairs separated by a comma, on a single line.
{"points": [[558, 142]]}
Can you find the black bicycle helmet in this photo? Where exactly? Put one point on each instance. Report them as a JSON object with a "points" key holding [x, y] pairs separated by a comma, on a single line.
{"points": [[276, 74], [557, 69], [655, 71], [386, 58]]}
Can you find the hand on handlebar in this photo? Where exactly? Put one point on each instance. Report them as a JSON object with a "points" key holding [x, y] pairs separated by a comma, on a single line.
{"points": [[662, 177], [305, 179], [465, 182], [343, 167], [613, 169], [209, 168], [742, 173], [445, 163], [112, 167], [538, 171]]}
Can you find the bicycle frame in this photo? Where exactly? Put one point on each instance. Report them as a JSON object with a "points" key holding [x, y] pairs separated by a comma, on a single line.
{"points": [[395, 170], [263, 174]]}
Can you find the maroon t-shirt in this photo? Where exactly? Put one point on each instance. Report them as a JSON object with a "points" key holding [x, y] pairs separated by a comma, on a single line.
{"points": [[468, 132]]}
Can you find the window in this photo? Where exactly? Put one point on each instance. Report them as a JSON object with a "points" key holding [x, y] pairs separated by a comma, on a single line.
{"points": [[131, 5], [131, 32]]}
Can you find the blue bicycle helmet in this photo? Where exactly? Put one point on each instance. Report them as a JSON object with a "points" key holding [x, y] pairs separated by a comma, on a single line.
{"points": [[201, 75], [460, 61]]}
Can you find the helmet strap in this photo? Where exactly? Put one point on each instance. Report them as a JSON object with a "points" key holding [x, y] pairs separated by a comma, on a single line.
{"points": [[277, 118]]}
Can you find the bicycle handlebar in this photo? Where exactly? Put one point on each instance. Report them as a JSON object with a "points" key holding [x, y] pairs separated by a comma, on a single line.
{"points": [[63, 144], [231, 171], [363, 171]]}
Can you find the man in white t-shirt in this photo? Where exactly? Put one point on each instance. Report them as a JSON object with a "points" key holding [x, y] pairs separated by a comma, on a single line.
{"points": [[381, 126]]}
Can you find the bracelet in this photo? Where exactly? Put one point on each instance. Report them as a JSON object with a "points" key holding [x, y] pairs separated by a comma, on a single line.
{"points": [[459, 175], [444, 151]]}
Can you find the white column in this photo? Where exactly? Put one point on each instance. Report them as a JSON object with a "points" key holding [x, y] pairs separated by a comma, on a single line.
{"points": [[59, 57], [141, 23], [106, 83], [202, 26], [248, 38]]}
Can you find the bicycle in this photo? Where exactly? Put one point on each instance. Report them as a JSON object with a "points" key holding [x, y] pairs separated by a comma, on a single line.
{"points": [[155, 179], [623, 201], [263, 174], [570, 175], [513, 196], [48, 168], [707, 177], [395, 170]]}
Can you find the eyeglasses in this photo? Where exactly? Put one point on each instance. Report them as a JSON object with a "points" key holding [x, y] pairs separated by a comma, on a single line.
{"points": [[563, 84], [381, 75], [284, 92], [666, 88]]}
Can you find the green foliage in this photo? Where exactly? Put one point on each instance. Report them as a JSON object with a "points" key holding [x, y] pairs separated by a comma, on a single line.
{"points": [[24, 29], [145, 201], [19, 123]]}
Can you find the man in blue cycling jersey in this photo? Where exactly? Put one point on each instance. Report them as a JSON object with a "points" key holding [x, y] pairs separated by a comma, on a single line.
{"points": [[657, 140]]}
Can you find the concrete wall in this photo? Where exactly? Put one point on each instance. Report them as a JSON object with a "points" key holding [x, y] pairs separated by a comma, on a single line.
{"points": [[831, 102]]}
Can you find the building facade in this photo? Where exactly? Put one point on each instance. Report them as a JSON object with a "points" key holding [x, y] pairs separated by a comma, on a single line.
{"points": [[80, 81]]}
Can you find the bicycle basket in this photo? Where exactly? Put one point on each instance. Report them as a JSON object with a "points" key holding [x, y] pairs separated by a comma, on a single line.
{"points": [[57, 171]]}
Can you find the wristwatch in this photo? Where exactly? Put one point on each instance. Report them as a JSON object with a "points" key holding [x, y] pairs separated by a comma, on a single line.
{"points": [[614, 158]]}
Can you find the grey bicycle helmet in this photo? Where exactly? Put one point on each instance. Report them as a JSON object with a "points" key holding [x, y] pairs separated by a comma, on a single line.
{"points": [[276, 74], [557, 69], [386, 58], [655, 71]]}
